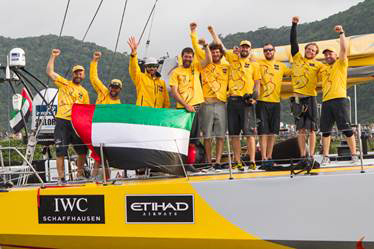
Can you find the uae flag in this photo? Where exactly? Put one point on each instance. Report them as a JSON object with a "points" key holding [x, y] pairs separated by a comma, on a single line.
{"points": [[22, 107], [135, 137]]}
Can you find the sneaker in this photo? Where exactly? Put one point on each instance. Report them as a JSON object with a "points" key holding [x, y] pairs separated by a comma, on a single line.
{"points": [[354, 159], [81, 178], [325, 161], [61, 181], [252, 166], [240, 167], [217, 166]]}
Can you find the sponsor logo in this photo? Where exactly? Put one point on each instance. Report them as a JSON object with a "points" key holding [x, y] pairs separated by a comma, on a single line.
{"points": [[276, 66], [247, 65], [224, 70], [311, 64], [159, 209], [71, 209]]}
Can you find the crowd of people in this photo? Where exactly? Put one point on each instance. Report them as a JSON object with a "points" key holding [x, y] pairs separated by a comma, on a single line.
{"points": [[229, 91]]}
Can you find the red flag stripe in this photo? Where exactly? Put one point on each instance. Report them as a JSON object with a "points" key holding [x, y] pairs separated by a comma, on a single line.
{"points": [[26, 95], [81, 118]]}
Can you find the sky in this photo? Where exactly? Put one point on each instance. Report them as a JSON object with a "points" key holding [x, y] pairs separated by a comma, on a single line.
{"points": [[170, 32]]}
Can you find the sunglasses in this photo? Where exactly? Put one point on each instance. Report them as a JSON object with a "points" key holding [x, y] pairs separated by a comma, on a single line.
{"points": [[268, 50], [152, 65], [115, 87]]}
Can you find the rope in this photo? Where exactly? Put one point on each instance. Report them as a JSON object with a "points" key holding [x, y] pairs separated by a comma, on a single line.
{"points": [[63, 21], [149, 34], [85, 34], [146, 24], [89, 26], [118, 36]]}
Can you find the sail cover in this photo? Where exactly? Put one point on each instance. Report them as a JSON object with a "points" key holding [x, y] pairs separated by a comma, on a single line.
{"points": [[135, 137]]}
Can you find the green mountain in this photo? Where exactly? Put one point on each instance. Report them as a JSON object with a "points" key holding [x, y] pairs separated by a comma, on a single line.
{"points": [[355, 20]]}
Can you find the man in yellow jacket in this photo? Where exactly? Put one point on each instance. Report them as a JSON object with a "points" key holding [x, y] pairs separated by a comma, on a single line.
{"points": [[150, 88], [268, 104], [243, 88], [215, 78], [69, 92], [104, 96], [335, 105]]}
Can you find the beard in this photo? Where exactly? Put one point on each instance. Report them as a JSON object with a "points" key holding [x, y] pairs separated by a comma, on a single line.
{"points": [[269, 57], [187, 64], [114, 94], [244, 54], [77, 80]]}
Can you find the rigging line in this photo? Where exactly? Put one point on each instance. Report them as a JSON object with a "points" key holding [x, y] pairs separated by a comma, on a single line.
{"points": [[59, 36], [118, 36], [89, 26], [63, 21], [85, 34], [146, 24], [149, 34]]}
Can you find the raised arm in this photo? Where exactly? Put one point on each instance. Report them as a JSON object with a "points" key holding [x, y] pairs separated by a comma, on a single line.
{"points": [[208, 55], [51, 64], [134, 68], [96, 83], [293, 38], [195, 44], [343, 54], [215, 37]]}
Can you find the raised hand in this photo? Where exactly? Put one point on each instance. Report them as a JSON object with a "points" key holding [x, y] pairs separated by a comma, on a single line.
{"points": [[193, 26], [210, 29], [96, 56], [339, 29], [295, 19], [202, 42], [133, 44], [55, 52]]}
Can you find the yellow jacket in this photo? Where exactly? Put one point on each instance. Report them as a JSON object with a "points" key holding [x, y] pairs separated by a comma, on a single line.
{"points": [[103, 93], [151, 91]]}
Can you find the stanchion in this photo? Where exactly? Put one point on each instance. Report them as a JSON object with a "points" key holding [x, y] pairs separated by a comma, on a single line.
{"points": [[180, 159], [360, 146], [103, 163], [229, 150]]}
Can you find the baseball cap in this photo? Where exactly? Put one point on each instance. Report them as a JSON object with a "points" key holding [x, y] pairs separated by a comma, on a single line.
{"points": [[77, 67], [329, 49], [116, 82], [245, 42], [150, 60]]}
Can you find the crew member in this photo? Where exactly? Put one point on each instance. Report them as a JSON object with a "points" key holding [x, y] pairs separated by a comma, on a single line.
{"points": [[335, 105], [305, 71], [268, 104], [70, 92], [244, 82], [215, 78], [150, 88], [104, 96], [186, 86]]}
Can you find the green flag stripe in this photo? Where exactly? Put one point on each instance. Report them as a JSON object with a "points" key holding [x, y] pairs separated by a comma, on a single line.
{"points": [[131, 114]]}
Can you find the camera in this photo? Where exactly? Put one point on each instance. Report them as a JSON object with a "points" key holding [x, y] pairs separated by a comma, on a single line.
{"points": [[248, 98]]}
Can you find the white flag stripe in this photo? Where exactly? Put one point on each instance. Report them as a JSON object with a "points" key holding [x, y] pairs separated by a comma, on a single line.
{"points": [[18, 117], [141, 136]]}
